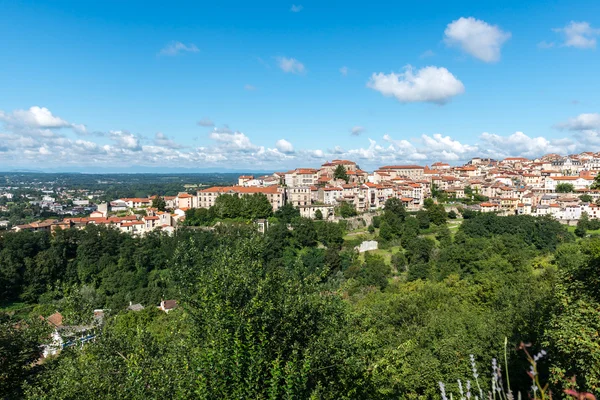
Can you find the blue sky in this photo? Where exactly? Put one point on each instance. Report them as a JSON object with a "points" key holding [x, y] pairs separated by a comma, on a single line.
{"points": [[284, 84]]}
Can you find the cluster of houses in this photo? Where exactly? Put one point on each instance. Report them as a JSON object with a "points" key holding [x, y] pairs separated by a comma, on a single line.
{"points": [[64, 335], [135, 224], [550, 185], [514, 185]]}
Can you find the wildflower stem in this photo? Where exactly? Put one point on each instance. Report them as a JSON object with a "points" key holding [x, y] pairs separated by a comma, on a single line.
{"points": [[506, 364]]}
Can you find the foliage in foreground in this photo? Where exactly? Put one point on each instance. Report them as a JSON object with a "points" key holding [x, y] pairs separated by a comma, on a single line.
{"points": [[297, 313]]}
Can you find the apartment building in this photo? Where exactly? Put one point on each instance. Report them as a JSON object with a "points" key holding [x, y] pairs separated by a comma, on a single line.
{"points": [[276, 195]]}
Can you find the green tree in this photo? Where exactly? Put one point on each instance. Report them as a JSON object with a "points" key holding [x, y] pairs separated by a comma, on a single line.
{"points": [[159, 203], [394, 205], [586, 198], [256, 206], [386, 232], [20, 348], [582, 225], [409, 231], [565, 188], [347, 210], [304, 232], [331, 234], [436, 212], [469, 191], [399, 261], [376, 221], [200, 216], [260, 332], [318, 215], [287, 213], [571, 333], [373, 272], [228, 206], [443, 236], [423, 218], [340, 173]]}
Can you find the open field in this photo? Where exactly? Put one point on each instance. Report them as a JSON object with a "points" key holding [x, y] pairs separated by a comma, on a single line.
{"points": [[589, 232]]}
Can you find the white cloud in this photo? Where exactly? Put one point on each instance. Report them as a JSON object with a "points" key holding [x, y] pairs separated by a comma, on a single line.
{"points": [[519, 144], [579, 34], [429, 84], [37, 121], [438, 142], [120, 148], [290, 65], [357, 130], [174, 48], [126, 140], [344, 71], [476, 37], [39, 117], [284, 146], [582, 122], [249, 87], [233, 140], [296, 8], [86, 145], [44, 151]]}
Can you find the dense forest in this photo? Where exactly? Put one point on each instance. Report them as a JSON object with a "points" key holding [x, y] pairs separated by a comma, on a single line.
{"points": [[297, 312], [114, 186]]}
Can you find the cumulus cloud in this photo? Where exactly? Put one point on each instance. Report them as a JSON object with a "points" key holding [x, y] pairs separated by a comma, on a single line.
{"points": [[126, 140], [581, 122], [290, 65], [357, 130], [580, 35], [232, 140], [233, 148], [37, 121], [519, 144], [174, 48], [429, 84], [284, 146], [206, 122], [438, 142], [37, 117], [296, 8], [476, 37], [44, 151]]}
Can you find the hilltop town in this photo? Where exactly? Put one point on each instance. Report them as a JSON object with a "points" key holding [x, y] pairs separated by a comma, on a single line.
{"points": [[560, 186]]}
